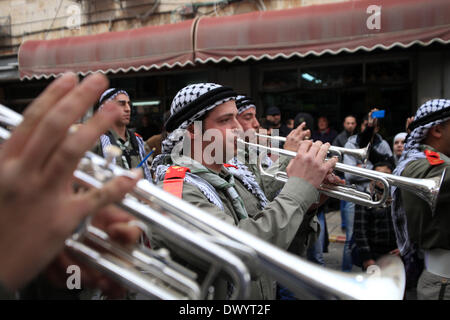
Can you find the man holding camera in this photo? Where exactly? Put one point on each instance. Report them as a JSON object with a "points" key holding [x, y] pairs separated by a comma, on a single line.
{"points": [[380, 151]]}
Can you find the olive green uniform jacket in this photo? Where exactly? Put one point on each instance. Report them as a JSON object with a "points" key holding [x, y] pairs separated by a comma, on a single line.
{"points": [[135, 159], [277, 224], [309, 229], [426, 230]]}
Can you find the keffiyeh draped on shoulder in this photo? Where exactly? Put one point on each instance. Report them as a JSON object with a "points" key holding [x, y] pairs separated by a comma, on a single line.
{"points": [[412, 152]]}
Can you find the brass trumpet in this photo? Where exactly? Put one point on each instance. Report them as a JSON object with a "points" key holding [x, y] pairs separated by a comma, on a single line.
{"points": [[362, 153], [427, 189]]}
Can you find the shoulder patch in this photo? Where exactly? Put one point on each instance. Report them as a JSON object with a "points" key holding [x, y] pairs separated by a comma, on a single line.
{"points": [[174, 179], [433, 157]]}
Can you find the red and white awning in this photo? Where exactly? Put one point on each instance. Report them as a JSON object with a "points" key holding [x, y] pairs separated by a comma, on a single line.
{"points": [[318, 29], [310, 30], [135, 49]]}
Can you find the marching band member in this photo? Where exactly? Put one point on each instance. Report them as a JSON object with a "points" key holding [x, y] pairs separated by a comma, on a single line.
{"points": [[269, 186], [426, 154], [210, 186], [131, 144]]}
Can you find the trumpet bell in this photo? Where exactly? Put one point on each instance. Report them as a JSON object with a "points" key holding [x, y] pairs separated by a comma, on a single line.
{"points": [[384, 281]]}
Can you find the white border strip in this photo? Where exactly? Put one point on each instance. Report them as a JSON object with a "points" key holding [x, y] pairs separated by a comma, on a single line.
{"points": [[114, 71]]}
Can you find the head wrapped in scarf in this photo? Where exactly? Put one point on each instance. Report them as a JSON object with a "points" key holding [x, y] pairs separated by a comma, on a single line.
{"points": [[244, 103], [431, 113], [110, 94], [190, 104], [400, 136]]}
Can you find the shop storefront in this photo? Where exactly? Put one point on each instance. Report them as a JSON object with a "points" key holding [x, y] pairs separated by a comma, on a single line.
{"points": [[319, 59]]}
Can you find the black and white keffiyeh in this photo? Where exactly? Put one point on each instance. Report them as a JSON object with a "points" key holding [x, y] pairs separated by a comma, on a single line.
{"points": [[105, 141], [248, 179], [244, 103], [434, 111], [184, 103], [110, 94]]}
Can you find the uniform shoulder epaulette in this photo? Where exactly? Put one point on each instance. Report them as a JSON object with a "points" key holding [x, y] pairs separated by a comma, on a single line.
{"points": [[173, 180], [228, 165], [433, 157]]}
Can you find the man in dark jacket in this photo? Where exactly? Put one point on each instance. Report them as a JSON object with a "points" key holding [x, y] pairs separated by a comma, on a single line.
{"points": [[373, 229], [324, 133], [349, 128], [340, 141], [273, 121]]}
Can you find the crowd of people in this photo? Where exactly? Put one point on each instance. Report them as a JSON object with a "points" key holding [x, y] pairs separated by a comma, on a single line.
{"points": [[222, 181]]}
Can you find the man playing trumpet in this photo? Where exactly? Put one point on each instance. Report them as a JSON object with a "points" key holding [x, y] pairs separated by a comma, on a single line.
{"points": [[205, 181], [420, 231]]}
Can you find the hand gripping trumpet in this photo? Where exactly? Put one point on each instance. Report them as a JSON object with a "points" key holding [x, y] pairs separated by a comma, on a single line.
{"points": [[427, 189], [149, 272], [305, 279]]}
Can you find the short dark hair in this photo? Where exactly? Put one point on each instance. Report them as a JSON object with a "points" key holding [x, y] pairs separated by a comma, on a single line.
{"points": [[350, 115], [388, 164]]}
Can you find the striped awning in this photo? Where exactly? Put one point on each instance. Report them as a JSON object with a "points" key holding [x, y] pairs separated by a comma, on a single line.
{"points": [[135, 49], [346, 26]]}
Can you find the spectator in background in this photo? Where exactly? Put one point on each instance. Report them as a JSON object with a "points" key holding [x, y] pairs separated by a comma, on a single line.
{"points": [[304, 117], [374, 234], [273, 121], [340, 141], [324, 133], [315, 253], [146, 128], [155, 141], [397, 146], [409, 120], [380, 150], [290, 123], [349, 129]]}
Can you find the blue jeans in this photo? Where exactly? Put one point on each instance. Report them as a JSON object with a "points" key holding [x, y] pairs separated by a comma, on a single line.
{"points": [[315, 252], [343, 204], [349, 216]]}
